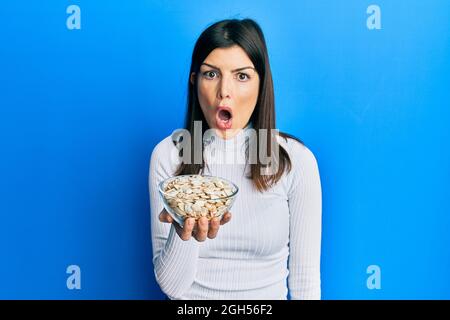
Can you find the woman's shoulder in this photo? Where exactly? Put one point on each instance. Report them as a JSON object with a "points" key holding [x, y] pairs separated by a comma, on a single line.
{"points": [[165, 145], [296, 149], [165, 153], [304, 165]]}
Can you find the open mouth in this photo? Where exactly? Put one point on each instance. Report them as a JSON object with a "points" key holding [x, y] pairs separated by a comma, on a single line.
{"points": [[224, 118], [224, 115]]}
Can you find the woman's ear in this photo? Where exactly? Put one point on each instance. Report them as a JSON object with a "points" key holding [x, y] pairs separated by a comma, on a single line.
{"points": [[192, 78]]}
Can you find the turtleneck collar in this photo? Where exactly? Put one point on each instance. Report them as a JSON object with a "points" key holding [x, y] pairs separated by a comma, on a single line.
{"points": [[212, 139]]}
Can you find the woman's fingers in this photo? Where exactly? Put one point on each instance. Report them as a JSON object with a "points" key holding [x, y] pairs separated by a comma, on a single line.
{"points": [[164, 216], [213, 228], [186, 231], [202, 229], [225, 218]]}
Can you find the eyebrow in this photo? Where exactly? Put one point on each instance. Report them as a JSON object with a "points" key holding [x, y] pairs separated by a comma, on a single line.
{"points": [[235, 70]]}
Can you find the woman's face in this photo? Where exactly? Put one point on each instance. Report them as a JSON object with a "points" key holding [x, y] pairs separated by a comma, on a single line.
{"points": [[227, 89]]}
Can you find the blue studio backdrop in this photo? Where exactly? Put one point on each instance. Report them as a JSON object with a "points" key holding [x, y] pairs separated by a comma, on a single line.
{"points": [[88, 88]]}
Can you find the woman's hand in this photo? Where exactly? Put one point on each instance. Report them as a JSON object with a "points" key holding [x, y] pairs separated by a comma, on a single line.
{"points": [[199, 229]]}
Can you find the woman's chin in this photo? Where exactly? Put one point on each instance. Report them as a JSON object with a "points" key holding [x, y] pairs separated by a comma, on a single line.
{"points": [[224, 125]]}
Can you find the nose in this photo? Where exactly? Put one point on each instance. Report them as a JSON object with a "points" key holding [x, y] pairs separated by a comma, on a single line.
{"points": [[224, 89]]}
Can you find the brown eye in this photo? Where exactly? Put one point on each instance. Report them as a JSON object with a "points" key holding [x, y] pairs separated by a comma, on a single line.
{"points": [[243, 76], [209, 74]]}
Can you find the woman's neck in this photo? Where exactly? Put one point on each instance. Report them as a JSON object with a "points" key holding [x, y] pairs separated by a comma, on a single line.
{"points": [[229, 140]]}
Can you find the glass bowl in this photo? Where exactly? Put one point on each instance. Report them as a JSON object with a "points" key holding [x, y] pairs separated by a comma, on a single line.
{"points": [[195, 196]]}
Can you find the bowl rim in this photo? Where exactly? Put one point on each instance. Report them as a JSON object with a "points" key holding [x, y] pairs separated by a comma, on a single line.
{"points": [[203, 175]]}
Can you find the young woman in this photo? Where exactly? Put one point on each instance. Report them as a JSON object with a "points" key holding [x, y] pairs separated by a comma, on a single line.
{"points": [[270, 248]]}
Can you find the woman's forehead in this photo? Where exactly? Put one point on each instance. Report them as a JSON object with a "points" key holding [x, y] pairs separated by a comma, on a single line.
{"points": [[229, 58]]}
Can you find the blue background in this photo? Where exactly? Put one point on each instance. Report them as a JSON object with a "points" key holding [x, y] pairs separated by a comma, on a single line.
{"points": [[81, 110]]}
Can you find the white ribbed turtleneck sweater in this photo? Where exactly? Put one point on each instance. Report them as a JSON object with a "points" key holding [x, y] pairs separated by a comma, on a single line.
{"points": [[270, 247]]}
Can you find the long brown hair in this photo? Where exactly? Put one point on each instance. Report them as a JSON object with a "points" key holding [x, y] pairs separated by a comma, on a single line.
{"points": [[248, 35]]}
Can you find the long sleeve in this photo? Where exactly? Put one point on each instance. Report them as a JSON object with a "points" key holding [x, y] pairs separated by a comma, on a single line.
{"points": [[305, 209], [248, 259], [174, 260]]}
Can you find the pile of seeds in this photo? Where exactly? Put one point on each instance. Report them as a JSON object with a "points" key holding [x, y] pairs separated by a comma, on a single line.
{"points": [[196, 196]]}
